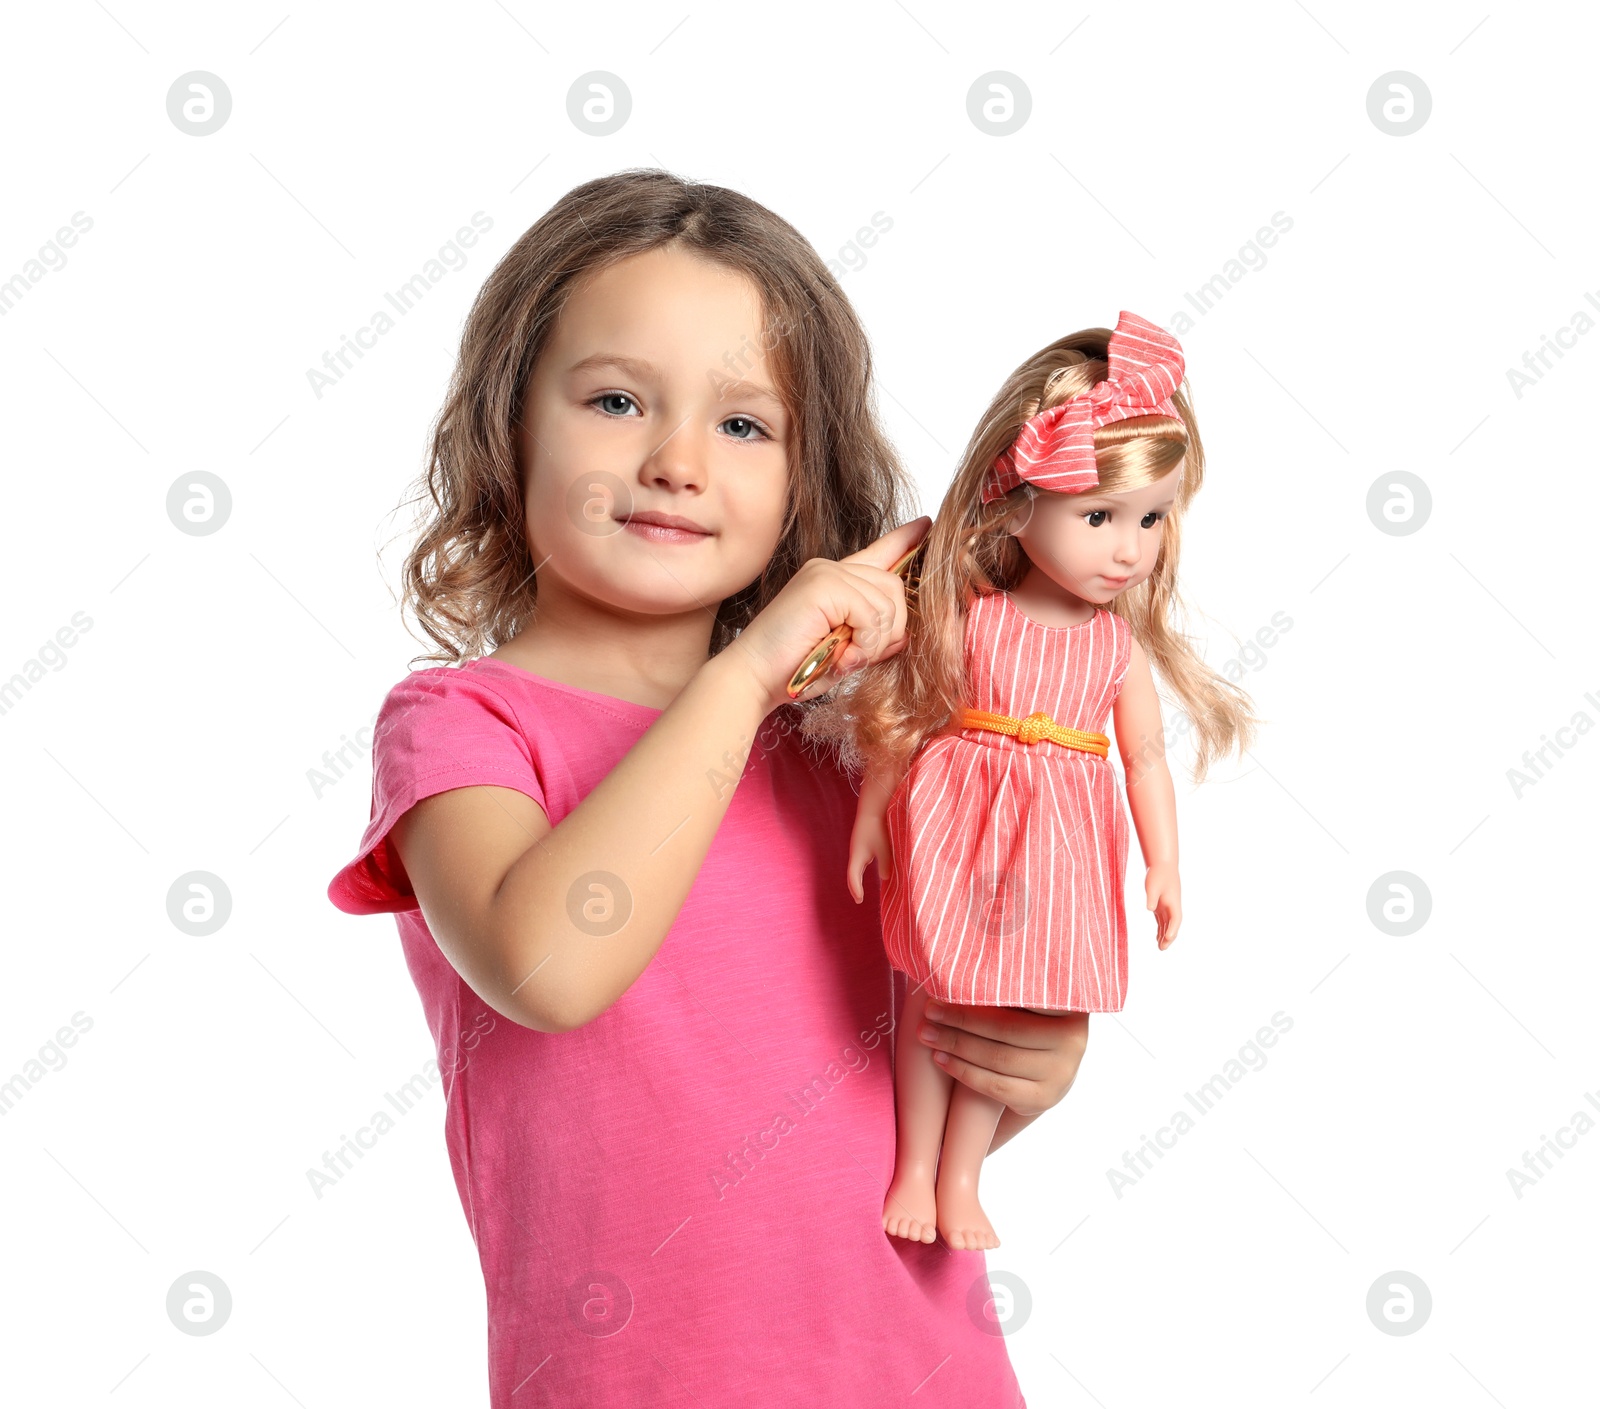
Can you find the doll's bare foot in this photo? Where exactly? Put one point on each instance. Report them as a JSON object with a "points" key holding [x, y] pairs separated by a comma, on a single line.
{"points": [[961, 1218], [909, 1208]]}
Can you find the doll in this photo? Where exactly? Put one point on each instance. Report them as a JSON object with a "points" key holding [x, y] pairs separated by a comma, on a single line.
{"points": [[1044, 596]]}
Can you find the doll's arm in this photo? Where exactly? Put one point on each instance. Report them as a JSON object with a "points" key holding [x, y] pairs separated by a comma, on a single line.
{"points": [[869, 838], [1136, 718]]}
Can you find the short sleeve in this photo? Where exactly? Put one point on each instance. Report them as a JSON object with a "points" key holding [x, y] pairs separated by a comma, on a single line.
{"points": [[438, 729]]}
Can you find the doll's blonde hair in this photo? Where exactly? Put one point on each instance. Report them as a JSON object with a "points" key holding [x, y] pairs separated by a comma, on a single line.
{"points": [[881, 716]]}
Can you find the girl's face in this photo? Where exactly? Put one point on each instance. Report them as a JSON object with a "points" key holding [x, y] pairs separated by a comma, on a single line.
{"points": [[655, 398], [1096, 545]]}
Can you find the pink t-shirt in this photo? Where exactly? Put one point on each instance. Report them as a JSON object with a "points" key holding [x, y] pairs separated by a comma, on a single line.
{"points": [[681, 1201]]}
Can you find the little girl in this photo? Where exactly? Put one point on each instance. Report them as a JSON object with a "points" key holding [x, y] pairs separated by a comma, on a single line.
{"points": [[657, 483], [989, 803]]}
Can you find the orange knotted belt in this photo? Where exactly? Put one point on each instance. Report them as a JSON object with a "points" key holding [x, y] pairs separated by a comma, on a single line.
{"points": [[1035, 727]]}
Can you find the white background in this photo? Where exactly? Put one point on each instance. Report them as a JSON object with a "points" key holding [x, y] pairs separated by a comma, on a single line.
{"points": [[177, 734]]}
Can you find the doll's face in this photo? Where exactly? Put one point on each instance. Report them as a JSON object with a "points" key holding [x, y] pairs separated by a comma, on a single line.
{"points": [[1096, 545]]}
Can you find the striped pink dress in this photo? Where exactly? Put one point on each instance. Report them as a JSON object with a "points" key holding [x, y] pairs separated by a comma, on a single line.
{"points": [[1008, 858]]}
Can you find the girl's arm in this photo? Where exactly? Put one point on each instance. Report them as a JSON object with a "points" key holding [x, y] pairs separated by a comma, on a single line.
{"points": [[551, 925], [1008, 1125], [1136, 719]]}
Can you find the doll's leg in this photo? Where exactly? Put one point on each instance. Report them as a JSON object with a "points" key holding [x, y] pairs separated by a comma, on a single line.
{"points": [[921, 1098], [968, 1131]]}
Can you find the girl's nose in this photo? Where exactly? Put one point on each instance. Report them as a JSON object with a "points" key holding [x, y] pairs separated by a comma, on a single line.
{"points": [[677, 463]]}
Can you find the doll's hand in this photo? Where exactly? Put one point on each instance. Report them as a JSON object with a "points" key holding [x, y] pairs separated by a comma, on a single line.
{"points": [[869, 841], [1161, 894]]}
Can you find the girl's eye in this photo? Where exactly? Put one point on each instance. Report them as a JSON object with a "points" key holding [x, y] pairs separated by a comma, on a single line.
{"points": [[607, 405], [612, 396], [745, 421]]}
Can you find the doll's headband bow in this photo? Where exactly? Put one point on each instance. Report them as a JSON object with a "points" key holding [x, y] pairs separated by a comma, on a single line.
{"points": [[1055, 449]]}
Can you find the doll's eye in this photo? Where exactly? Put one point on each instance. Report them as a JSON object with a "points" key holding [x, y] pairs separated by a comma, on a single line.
{"points": [[1095, 517], [1151, 520]]}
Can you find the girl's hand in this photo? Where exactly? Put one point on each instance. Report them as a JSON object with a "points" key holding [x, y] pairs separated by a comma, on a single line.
{"points": [[858, 591], [1027, 1060], [1161, 894], [869, 841]]}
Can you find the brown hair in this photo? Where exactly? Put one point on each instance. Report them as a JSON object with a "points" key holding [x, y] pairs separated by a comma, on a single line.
{"points": [[880, 717], [470, 578]]}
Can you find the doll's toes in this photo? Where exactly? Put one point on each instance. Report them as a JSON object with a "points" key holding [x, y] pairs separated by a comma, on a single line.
{"points": [[909, 1209], [911, 1229], [963, 1223]]}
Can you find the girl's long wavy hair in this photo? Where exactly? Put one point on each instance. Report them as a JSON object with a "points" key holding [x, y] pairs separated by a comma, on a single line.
{"points": [[880, 717], [469, 578]]}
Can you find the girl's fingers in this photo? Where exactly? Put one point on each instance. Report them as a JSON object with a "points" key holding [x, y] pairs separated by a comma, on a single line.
{"points": [[885, 595], [1007, 1090], [864, 611], [857, 593], [1014, 1027], [860, 592], [1028, 1079], [998, 1057], [893, 587], [885, 552], [874, 621]]}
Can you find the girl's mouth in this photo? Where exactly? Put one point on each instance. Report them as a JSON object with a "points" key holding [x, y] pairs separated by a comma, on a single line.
{"points": [[647, 526]]}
